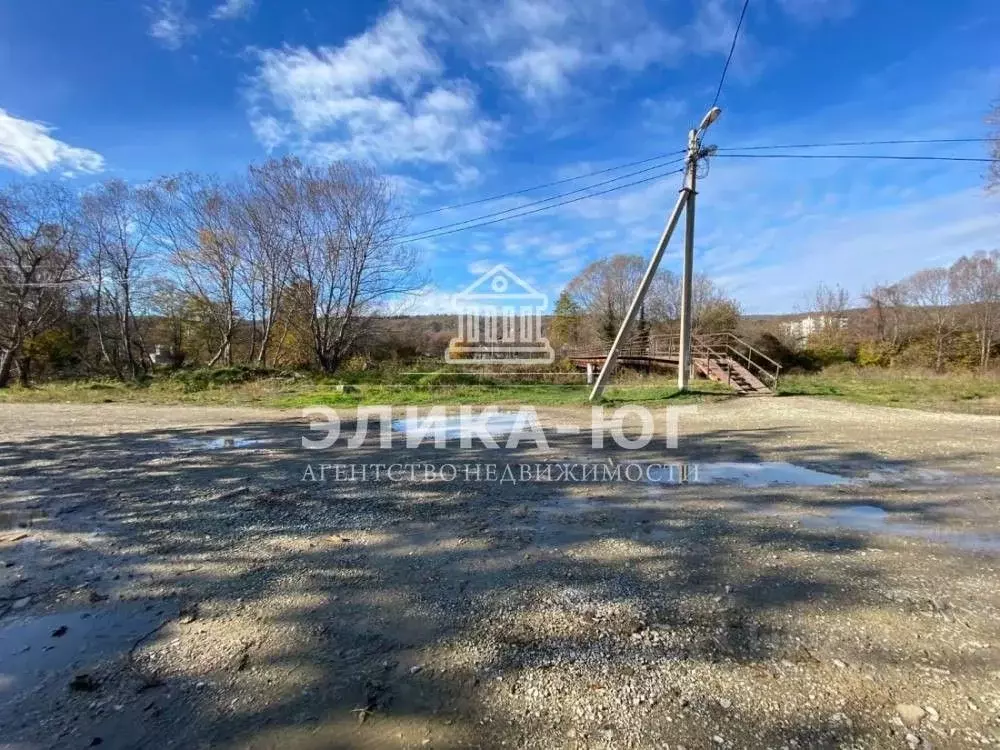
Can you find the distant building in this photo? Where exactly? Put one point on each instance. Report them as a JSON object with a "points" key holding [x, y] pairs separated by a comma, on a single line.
{"points": [[162, 355], [801, 330]]}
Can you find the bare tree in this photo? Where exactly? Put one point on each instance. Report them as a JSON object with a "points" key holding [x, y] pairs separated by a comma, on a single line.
{"points": [[343, 231], [38, 266], [171, 304], [888, 308], [359, 267], [831, 302], [929, 291], [266, 244], [117, 228], [975, 281], [604, 291], [194, 218]]}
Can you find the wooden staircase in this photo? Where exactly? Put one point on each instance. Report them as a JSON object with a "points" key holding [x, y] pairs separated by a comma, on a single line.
{"points": [[723, 357], [726, 358], [732, 373]]}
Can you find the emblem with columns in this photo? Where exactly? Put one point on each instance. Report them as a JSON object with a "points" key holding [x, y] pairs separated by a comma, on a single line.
{"points": [[500, 321]]}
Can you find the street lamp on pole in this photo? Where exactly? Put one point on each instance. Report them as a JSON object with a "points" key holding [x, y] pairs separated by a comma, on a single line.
{"points": [[686, 200], [695, 152]]}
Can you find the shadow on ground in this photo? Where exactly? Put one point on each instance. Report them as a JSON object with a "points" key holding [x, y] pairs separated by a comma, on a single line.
{"points": [[283, 612]]}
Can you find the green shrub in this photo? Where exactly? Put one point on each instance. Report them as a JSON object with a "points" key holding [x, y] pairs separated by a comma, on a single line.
{"points": [[874, 354], [204, 378], [824, 356]]}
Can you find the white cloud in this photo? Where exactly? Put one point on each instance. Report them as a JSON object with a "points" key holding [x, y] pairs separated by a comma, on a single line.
{"points": [[543, 47], [778, 269], [386, 95], [27, 147], [428, 300], [479, 267], [230, 10], [381, 96], [543, 70], [170, 25]]}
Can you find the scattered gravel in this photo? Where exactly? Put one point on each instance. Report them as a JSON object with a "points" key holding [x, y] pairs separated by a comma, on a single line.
{"points": [[231, 604]]}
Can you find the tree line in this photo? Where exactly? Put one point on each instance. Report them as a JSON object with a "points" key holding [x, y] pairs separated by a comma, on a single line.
{"points": [[940, 316], [285, 263], [291, 265], [937, 318], [591, 308]]}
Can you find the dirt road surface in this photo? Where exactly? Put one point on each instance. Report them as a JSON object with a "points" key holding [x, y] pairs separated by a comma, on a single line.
{"points": [[181, 578]]}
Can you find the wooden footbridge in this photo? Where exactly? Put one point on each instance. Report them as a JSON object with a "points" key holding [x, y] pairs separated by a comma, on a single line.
{"points": [[722, 357]]}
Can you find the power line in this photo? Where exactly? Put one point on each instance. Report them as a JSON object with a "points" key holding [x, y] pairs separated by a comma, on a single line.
{"points": [[732, 49], [518, 212], [859, 156], [546, 208], [417, 235], [522, 191], [909, 141]]}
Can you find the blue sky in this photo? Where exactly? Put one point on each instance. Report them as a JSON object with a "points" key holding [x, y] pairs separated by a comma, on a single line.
{"points": [[458, 100]]}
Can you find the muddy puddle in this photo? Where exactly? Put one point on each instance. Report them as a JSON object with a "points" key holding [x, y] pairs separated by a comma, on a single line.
{"points": [[875, 520], [70, 643], [748, 474], [214, 444], [755, 474], [469, 426]]}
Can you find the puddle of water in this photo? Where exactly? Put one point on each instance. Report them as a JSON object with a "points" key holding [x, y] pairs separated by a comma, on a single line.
{"points": [[892, 475], [875, 520], [457, 426], [860, 516], [29, 647], [214, 444], [749, 474]]}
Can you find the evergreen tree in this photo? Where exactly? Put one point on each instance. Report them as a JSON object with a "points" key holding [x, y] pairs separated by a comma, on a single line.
{"points": [[565, 329]]}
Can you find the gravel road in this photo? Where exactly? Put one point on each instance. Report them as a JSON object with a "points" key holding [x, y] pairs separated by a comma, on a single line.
{"points": [[175, 577]]}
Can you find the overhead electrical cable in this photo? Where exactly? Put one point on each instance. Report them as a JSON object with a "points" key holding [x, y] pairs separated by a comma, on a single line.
{"points": [[544, 208], [417, 235], [906, 141], [732, 49], [563, 181], [895, 157]]}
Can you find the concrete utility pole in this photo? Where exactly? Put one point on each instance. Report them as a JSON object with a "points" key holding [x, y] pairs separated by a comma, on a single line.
{"points": [[690, 181], [685, 200]]}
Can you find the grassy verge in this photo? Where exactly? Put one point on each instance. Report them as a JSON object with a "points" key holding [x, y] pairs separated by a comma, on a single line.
{"points": [[297, 393], [957, 392]]}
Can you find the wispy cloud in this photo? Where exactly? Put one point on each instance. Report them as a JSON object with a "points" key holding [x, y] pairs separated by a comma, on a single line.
{"points": [[542, 47], [857, 250], [230, 10], [27, 147], [382, 96], [544, 69], [428, 300], [388, 94], [170, 25]]}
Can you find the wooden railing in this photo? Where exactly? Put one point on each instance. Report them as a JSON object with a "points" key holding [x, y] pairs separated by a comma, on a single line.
{"points": [[713, 347], [760, 365]]}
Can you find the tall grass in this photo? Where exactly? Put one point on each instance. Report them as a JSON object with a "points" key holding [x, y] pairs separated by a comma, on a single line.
{"points": [[917, 388]]}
